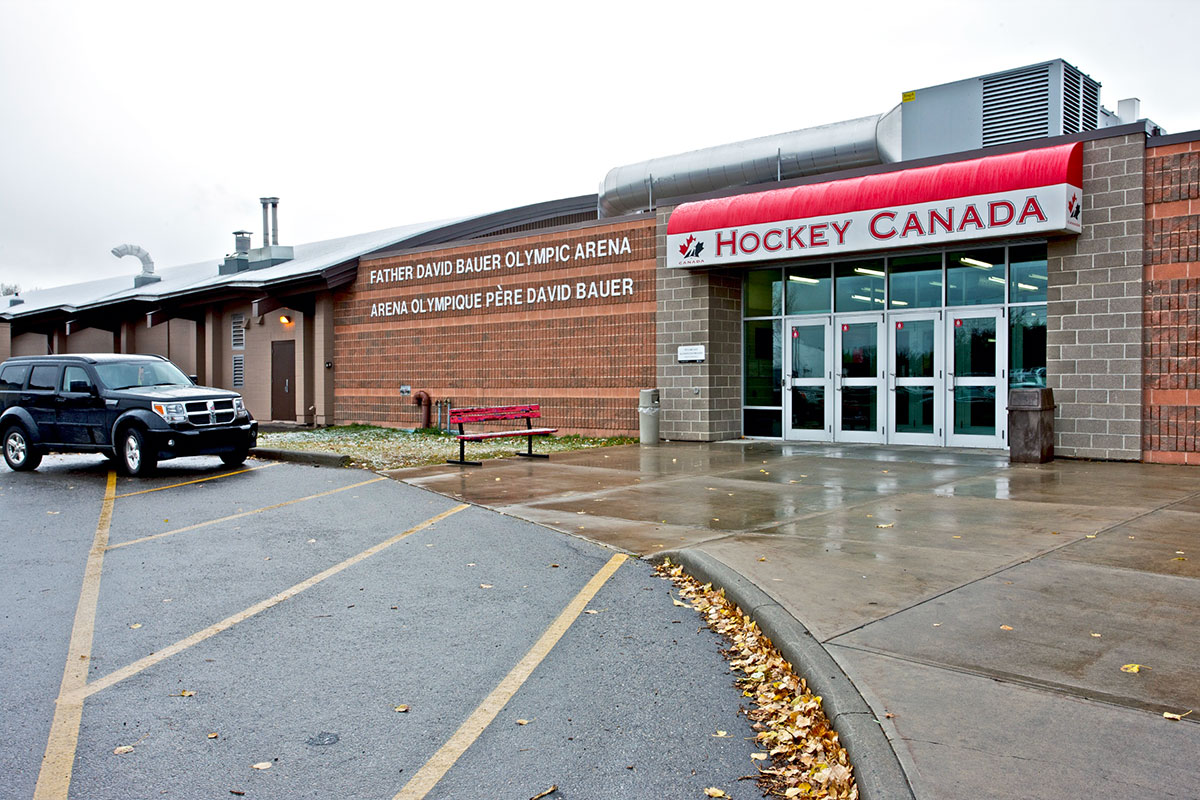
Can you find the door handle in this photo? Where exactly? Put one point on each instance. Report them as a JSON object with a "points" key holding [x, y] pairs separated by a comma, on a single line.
{"points": [[285, 385]]}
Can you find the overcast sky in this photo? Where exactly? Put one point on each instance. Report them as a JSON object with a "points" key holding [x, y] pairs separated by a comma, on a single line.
{"points": [[160, 124]]}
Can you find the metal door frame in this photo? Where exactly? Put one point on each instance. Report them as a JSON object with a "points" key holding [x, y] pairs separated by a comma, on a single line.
{"points": [[879, 382], [825, 434], [936, 381], [999, 381]]}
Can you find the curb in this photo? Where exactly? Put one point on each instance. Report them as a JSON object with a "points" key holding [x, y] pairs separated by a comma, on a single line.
{"points": [[314, 457], [877, 770]]}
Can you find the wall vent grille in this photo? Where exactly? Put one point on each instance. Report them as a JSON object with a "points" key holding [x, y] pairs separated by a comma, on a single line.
{"points": [[239, 372], [237, 331], [1016, 106]]}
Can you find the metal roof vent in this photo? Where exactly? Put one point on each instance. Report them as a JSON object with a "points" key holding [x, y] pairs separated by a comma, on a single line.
{"points": [[15, 301], [241, 242], [147, 276], [271, 253]]}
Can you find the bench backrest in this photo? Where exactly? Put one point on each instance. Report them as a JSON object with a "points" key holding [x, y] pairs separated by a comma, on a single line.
{"points": [[460, 415]]}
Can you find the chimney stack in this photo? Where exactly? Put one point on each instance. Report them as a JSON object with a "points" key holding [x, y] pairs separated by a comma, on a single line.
{"points": [[273, 227]]}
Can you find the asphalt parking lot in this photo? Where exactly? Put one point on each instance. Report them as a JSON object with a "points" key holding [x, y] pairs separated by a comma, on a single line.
{"points": [[215, 619]]}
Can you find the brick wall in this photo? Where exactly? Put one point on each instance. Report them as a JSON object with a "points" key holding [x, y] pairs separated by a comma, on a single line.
{"points": [[524, 331], [700, 401], [1171, 421], [1094, 325]]}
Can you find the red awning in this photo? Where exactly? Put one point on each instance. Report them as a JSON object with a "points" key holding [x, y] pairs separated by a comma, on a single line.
{"points": [[1048, 166]]}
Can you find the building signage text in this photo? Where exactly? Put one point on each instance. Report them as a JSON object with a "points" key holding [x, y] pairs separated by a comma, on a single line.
{"points": [[1023, 212]]}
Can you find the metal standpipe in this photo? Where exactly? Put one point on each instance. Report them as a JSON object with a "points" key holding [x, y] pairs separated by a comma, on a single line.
{"points": [[648, 408]]}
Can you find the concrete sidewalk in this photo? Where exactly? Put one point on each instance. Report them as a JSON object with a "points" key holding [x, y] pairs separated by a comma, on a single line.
{"points": [[983, 610]]}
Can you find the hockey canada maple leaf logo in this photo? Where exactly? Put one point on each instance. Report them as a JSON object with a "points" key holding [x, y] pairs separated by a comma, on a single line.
{"points": [[1073, 207], [691, 248]]}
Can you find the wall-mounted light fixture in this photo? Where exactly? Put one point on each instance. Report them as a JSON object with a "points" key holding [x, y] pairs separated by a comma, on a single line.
{"points": [[285, 319]]}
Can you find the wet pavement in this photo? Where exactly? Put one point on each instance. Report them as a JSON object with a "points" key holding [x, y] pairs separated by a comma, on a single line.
{"points": [[984, 610]]}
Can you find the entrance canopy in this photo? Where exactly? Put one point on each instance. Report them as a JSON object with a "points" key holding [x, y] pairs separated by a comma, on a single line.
{"points": [[1014, 194]]}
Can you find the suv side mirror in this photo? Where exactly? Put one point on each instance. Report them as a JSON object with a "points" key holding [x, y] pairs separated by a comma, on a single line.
{"points": [[194, 379]]}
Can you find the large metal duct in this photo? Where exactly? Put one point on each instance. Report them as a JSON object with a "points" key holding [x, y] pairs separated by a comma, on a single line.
{"points": [[120, 251], [842, 145]]}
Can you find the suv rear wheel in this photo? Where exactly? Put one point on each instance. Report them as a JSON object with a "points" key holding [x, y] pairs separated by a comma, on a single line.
{"points": [[134, 457], [18, 453]]}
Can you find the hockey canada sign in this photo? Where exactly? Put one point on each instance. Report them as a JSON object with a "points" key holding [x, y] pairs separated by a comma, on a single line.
{"points": [[1048, 209]]}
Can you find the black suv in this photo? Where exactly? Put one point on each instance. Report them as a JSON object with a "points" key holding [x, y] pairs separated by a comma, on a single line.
{"points": [[137, 410]]}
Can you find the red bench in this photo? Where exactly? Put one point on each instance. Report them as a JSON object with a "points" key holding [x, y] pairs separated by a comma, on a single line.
{"points": [[458, 416]]}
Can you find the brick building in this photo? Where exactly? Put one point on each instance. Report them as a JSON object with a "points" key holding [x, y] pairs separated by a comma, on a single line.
{"points": [[882, 280]]}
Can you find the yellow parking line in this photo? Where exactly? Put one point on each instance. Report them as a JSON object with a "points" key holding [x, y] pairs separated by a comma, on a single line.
{"points": [[227, 623], [243, 514], [434, 769], [198, 480], [54, 778]]}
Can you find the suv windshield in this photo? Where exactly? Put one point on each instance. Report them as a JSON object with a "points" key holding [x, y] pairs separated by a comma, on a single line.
{"points": [[141, 373]]}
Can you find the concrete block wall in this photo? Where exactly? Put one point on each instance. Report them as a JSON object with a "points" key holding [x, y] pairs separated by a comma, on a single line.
{"points": [[1094, 319], [1171, 395], [700, 401]]}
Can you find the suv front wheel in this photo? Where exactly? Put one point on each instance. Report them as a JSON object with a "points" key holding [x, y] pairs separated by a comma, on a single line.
{"points": [[18, 453], [133, 456]]}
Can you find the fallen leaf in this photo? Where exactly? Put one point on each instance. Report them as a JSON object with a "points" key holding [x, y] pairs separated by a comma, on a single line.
{"points": [[485, 586], [1133, 668], [759, 756], [889, 715], [1179, 558], [237, 792], [553, 788], [123, 749], [1054, 533], [311, 541], [680, 604], [184, 693], [212, 735], [1095, 636], [1089, 536], [402, 708], [591, 611], [261, 765], [955, 537], [522, 722], [1175, 717], [937, 624], [720, 734], [1006, 627], [762, 558], [885, 525], [713, 791], [554, 565], [136, 625], [793, 791]]}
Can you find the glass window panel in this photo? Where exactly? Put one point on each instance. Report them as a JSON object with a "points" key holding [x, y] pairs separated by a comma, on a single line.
{"points": [[13, 377], [808, 408], [975, 347], [975, 410], [859, 285], [1027, 346], [762, 294], [975, 277], [808, 352], [858, 408], [762, 422], [809, 289], [914, 348], [764, 362], [1027, 271], [915, 281], [860, 350], [914, 409], [75, 379], [44, 378]]}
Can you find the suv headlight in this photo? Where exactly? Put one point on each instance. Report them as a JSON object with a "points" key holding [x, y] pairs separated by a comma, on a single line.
{"points": [[171, 412], [239, 408]]}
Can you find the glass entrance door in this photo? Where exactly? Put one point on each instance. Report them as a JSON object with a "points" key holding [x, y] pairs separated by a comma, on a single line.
{"points": [[915, 376], [808, 382], [859, 378], [977, 378]]}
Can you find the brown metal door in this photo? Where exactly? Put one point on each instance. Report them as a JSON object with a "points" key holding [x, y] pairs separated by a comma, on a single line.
{"points": [[283, 380]]}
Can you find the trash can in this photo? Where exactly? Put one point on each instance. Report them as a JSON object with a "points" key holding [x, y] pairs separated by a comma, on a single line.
{"points": [[648, 405], [1031, 425]]}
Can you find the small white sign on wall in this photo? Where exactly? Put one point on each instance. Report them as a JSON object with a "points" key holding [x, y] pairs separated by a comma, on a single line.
{"points": [[691, 352]]}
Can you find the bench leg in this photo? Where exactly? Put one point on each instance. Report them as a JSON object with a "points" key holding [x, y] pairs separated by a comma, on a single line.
{"points": [[462, 456], [529, 452]]}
